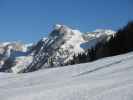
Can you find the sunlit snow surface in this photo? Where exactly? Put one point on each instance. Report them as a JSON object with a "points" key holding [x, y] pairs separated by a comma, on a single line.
{"points": [[106, 79]]}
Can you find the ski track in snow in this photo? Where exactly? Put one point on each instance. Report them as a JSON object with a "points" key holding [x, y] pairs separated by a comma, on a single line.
{"points": [[109, 78]]}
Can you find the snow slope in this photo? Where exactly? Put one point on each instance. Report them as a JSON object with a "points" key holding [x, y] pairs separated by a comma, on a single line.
{"points": [[105, 79]]}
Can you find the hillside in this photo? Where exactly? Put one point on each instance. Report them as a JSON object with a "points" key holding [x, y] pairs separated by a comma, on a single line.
{"points": [[105, 79]]}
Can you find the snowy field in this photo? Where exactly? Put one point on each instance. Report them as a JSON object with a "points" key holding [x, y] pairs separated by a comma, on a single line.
{"points": [[105, 79]]}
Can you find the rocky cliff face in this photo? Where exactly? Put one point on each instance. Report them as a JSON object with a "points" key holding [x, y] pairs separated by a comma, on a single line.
{"points": [[60, 46]]}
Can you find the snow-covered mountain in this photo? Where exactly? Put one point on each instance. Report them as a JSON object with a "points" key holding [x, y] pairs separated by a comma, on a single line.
{"points": [[105, 79], [56, 50], [14, 54], [60, 46]]}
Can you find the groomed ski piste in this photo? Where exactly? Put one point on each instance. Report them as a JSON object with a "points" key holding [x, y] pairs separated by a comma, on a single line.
{"points": [[110, 78]]}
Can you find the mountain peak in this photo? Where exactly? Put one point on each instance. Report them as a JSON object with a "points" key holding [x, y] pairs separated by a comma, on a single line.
{"points": [[57, 26], [60, 30]]}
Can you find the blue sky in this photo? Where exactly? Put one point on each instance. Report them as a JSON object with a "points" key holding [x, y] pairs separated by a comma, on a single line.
{"points": [[29, 20]]}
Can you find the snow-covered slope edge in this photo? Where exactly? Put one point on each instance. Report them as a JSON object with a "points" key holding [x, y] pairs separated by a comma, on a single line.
{"points": [[105, 79]]}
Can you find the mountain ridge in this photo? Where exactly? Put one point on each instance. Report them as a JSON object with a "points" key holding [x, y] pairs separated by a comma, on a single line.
{"points": [[55, 50]]}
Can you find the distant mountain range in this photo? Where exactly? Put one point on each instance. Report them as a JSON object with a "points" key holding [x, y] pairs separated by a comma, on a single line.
{"points": [[55, 50]]}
